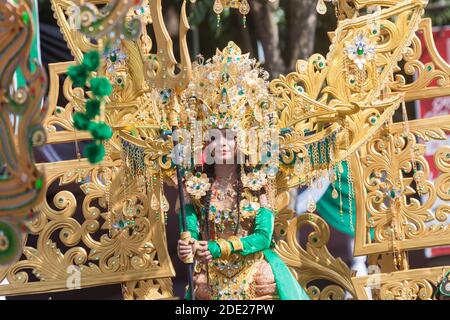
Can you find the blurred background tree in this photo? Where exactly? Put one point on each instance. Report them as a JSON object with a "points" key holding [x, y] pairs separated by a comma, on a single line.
{"points": [[278, 33], [439, 11]]}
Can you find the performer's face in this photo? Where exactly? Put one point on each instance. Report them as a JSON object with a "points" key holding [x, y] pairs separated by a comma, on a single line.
{"points": [[223, 144]]}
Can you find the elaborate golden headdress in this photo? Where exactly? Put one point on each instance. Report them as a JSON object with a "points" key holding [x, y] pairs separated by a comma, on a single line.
{"points": [[230, 91]]}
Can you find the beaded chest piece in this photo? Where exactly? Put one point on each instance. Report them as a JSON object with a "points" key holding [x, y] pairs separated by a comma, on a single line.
{"points": [[231, 278]]}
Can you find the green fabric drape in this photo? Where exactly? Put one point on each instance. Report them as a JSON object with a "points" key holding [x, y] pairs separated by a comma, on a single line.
{"points": [[260, 240], [329, 208]]}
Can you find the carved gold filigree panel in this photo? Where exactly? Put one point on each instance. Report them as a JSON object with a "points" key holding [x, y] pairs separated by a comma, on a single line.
{"points": [[431, 79], [148, 289], [341, 93], [314, 263], [73, 232], [393, 192], [418, 284]]}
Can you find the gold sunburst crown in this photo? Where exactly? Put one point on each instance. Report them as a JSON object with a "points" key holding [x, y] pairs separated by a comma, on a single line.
{"points": [[230, 91]]}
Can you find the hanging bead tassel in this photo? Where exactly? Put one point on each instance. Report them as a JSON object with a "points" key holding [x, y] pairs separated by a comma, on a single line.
{"points": [[218, 9], [321, 7], [244, 9]]}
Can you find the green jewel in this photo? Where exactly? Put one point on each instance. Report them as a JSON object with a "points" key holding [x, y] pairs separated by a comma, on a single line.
{"points": [[392, 194], [429, 68], [121, 224], [26, 17], [360, 51], [38, 184]]}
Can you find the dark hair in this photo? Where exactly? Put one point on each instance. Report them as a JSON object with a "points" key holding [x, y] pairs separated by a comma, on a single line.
{"points": [[209, 170], [239, 190]]}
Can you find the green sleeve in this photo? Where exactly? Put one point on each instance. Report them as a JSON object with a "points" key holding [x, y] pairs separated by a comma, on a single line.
{"points": [[259, 240], [261, 237], [191, 221], [214, 249]]}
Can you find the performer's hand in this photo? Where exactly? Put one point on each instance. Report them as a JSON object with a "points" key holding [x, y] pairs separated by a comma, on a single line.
{"points": [[203, 253], [185, 249]]}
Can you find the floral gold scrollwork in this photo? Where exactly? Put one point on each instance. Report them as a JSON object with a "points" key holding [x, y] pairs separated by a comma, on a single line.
{"points": [[348, 90], [148, 289], [432, 78], [417, 284], [67, 240], [315, 261], [407, 290], [442, 183], [66, 13], [392, 177]]}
